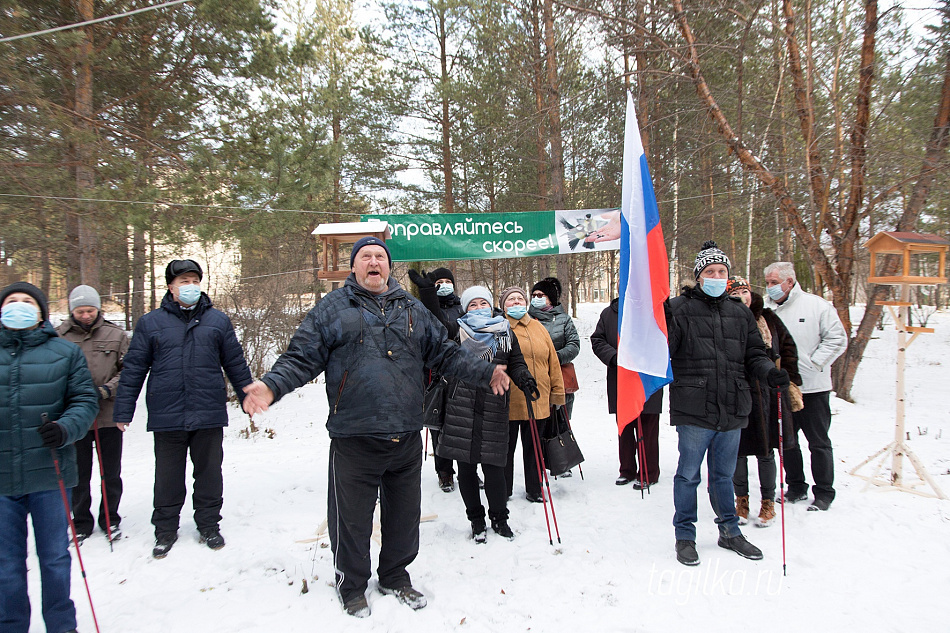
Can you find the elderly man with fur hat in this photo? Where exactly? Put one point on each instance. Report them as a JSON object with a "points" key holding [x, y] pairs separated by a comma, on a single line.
{"points": [[714, 343], [47, 402], [182, 347], [104, 345], [372, 340]]}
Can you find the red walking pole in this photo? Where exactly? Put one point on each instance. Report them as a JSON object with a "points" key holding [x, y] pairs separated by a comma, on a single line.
{"points": [[781, 473], [542, 472], [72, 527], [102, 481]]}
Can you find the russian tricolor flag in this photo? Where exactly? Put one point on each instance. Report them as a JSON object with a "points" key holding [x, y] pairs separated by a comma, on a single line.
{"points": [[643, 353]]}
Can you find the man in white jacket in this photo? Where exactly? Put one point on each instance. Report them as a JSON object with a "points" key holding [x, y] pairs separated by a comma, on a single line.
{"points": [[820, 338]]}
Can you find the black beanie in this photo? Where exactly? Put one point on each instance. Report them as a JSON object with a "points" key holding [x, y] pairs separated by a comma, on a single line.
{"points": [[442, 273], [30, 289], [180, 267], [367, 241], [551, 287]]}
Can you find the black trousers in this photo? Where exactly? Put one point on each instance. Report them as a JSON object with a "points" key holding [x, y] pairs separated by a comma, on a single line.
{"points": [[110, 449], [532, 485], [815, 421], [206, 447], [495, 490], [360, 470], [629, 457], [442, 465], [767, 474]]}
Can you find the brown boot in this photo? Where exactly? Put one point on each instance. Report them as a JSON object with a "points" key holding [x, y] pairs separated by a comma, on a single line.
{"points": [[766, 513], [742, 509]]}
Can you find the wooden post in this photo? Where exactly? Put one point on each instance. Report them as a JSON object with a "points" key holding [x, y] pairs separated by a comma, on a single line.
{"points": [[897, 476]]}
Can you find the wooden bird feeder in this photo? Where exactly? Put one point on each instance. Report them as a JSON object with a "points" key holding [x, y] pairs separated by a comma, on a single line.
{"points": [[333, 236], [907, 246]]}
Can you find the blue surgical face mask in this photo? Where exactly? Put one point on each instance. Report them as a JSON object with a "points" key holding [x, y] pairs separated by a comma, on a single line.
{"points": [[445, 290], [189, 294], [19, 315], [538, 302], [775, 292], [516, 312], [714, 287], [482, 312]]}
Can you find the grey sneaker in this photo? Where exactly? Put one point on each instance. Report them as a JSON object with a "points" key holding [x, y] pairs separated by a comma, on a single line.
{"points": [[740, 546], [406, 595]]}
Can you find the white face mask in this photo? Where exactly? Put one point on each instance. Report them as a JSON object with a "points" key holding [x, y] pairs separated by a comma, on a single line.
{"points": [[444, 290], [775, 292], [538, 302]]}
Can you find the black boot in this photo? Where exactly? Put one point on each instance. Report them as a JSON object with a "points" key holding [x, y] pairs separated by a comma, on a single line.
{"points": [[499, 523], [163, 543]]}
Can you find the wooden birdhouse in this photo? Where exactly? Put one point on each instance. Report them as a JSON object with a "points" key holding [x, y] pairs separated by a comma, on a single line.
{"points": [[916, 250], [335, 235]]}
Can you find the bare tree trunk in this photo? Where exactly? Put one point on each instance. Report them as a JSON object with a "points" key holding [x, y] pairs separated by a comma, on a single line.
{"points": [[137, 299], [448, 199], [88, 232]]}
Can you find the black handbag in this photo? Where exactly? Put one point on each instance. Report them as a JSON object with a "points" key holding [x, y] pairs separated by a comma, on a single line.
{"points": [[561, 452], [433, 403]]}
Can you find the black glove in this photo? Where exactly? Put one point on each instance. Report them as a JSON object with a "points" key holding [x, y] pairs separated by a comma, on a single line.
{"points": [[530, 388], [104, 393], [420, 280], [778, 378], [52, 434]]}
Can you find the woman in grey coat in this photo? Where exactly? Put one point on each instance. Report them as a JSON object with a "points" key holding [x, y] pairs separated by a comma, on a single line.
{"points": [[546, 308]]}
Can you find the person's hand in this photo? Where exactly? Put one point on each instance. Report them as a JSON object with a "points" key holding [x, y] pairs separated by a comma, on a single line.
{"points": [[122, 426], [499, 380], [257, 398], [420, 279], [608, 233], [778, 378], [530, 388], [52, 434]]}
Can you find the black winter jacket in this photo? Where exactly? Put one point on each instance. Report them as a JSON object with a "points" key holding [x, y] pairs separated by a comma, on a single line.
{"points": [[446, 309], [183, 355], [604, 342], [714, 343], [41, 373], [559, 325], [761, 436], [373, 349], [475, 430]]}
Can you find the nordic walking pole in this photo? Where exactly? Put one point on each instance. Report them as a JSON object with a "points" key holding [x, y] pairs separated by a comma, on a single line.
{"points": [[102, 481], [537, 463], [642, 454], [72, 526], [568, 418], [636, 439], [542, 468], [781, 472]]}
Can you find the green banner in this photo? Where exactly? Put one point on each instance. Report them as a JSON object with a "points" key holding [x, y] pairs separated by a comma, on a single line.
{"points": [[454, 236]]}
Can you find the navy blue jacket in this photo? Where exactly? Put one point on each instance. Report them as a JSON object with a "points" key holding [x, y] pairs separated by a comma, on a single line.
{"points": [[41, 373], [183, 355], [373, 349]]}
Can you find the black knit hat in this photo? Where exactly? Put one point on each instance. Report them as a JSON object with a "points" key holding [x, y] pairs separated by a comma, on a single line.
{"points": [[442, 273], [710, 254], [369, 240], [551, 287], [30, 289], [180, 267]]}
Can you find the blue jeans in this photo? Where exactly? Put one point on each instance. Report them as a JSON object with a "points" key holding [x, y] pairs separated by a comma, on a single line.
{"points": [[721, 449], [50, 532]]}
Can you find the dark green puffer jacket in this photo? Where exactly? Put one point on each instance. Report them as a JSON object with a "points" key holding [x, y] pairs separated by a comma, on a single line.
{"points": [[41, 373], [559, 325]]}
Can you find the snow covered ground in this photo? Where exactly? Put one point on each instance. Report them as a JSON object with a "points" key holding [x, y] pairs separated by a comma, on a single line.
{"points": [[876, 561]]}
